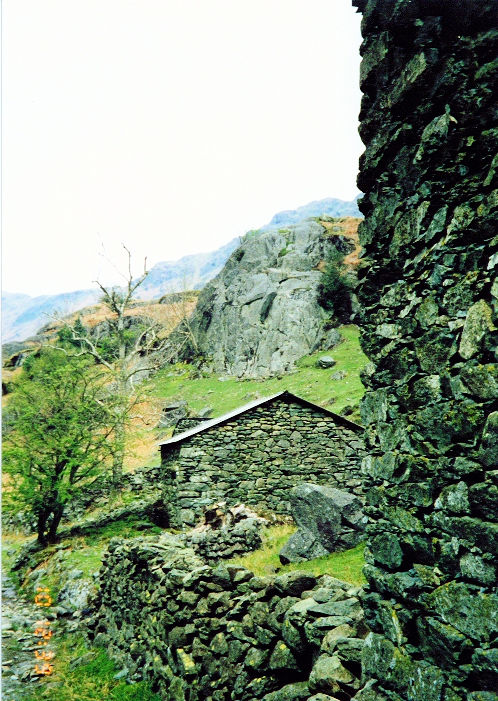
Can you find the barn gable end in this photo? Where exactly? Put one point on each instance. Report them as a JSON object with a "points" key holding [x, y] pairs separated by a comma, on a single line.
{"points": [[257, 453]]}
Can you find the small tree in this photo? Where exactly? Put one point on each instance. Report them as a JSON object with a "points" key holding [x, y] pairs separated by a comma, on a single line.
{"points": [[58, 434], [335, 287]]}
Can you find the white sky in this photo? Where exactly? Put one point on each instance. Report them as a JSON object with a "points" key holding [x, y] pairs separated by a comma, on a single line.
{"points": [[170, 125]]}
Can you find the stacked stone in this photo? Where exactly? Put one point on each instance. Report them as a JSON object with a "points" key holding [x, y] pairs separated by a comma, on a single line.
{"points": [[261, 454], [217, 633], [227, 542], [429, 323]]}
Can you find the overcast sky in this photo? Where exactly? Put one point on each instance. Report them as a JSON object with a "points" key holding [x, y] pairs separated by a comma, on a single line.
{"points": [[169, 125]]}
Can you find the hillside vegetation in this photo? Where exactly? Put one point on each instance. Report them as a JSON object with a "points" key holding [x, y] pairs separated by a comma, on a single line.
{"points": [[336, 389], [83, 671]]}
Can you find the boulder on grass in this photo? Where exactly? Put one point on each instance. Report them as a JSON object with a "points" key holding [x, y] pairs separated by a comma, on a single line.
{"points": [[326, 361], [328, 520]]}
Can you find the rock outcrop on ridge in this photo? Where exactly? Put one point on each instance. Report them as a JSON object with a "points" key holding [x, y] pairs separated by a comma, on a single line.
{"points": [[261, 314]]}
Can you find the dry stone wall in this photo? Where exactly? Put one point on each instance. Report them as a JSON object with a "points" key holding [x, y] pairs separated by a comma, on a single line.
{"points": [[221, 633], [228, 542], [258, 456], [429, 325]]}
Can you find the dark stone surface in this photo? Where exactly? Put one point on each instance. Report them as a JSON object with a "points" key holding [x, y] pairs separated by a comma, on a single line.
{"points": [[325, 361], [328, 520], [428, 293]]}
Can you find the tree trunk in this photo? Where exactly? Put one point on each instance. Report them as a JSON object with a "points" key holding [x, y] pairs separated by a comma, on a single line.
{"points": [[118, 457], [41, 526], [57, 513]]}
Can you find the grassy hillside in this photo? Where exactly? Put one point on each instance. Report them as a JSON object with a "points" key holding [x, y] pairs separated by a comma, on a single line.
{"points": [[308, 381], [222, 394], [167, 312]]}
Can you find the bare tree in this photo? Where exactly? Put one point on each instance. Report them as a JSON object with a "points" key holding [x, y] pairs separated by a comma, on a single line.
{"points": [[184, 337], [128, 351]]}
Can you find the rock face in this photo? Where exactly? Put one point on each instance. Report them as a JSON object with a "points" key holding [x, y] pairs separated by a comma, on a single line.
{"points": [[200, 632], [260, 314], [328, 520], [429, 326]]}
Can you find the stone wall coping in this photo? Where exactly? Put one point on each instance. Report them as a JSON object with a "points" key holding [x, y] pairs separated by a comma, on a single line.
{"points": [[461, 11], [285, 395]]}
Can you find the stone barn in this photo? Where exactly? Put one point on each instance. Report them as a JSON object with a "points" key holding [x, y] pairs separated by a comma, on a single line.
{"points": [[256, 453]]}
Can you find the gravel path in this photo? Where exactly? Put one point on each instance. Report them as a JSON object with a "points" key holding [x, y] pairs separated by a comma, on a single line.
{"points": [[19, 643]]}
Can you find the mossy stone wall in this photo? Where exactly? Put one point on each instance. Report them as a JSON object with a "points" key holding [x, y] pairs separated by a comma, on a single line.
{"points": [[257, 457], [220, 633], [429, 326]]}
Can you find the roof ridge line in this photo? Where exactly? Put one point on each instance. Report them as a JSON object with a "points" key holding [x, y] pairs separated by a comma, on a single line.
{"points": [[206, 425]]}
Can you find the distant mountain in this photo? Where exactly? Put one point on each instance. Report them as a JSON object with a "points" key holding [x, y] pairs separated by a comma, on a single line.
{"points": [[329, 206], [187, 273], [23, 315]]}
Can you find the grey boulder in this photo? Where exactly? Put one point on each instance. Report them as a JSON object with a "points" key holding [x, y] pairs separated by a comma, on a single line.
{"points": [[326, 361], [328, 520], [261, 314]]}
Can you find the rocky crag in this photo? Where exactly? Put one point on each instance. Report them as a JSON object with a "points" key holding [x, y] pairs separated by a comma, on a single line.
{"points": [[429, 325], [261, 314], [22, 315]]}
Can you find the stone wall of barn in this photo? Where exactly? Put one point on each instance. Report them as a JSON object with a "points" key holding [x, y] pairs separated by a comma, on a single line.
{"points": [[257, 457]]}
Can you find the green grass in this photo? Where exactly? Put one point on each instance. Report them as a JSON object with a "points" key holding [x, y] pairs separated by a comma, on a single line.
{"points": [[92, 681], [85, 553], [308, 381], [120, 529], [347, 565]]}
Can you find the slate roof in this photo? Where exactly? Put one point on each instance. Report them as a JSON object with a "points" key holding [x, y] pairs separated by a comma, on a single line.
{"points": [[206, 425]]}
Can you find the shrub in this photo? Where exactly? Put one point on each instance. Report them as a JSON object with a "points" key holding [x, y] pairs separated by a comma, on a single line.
{"points": [[335, 288]]}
